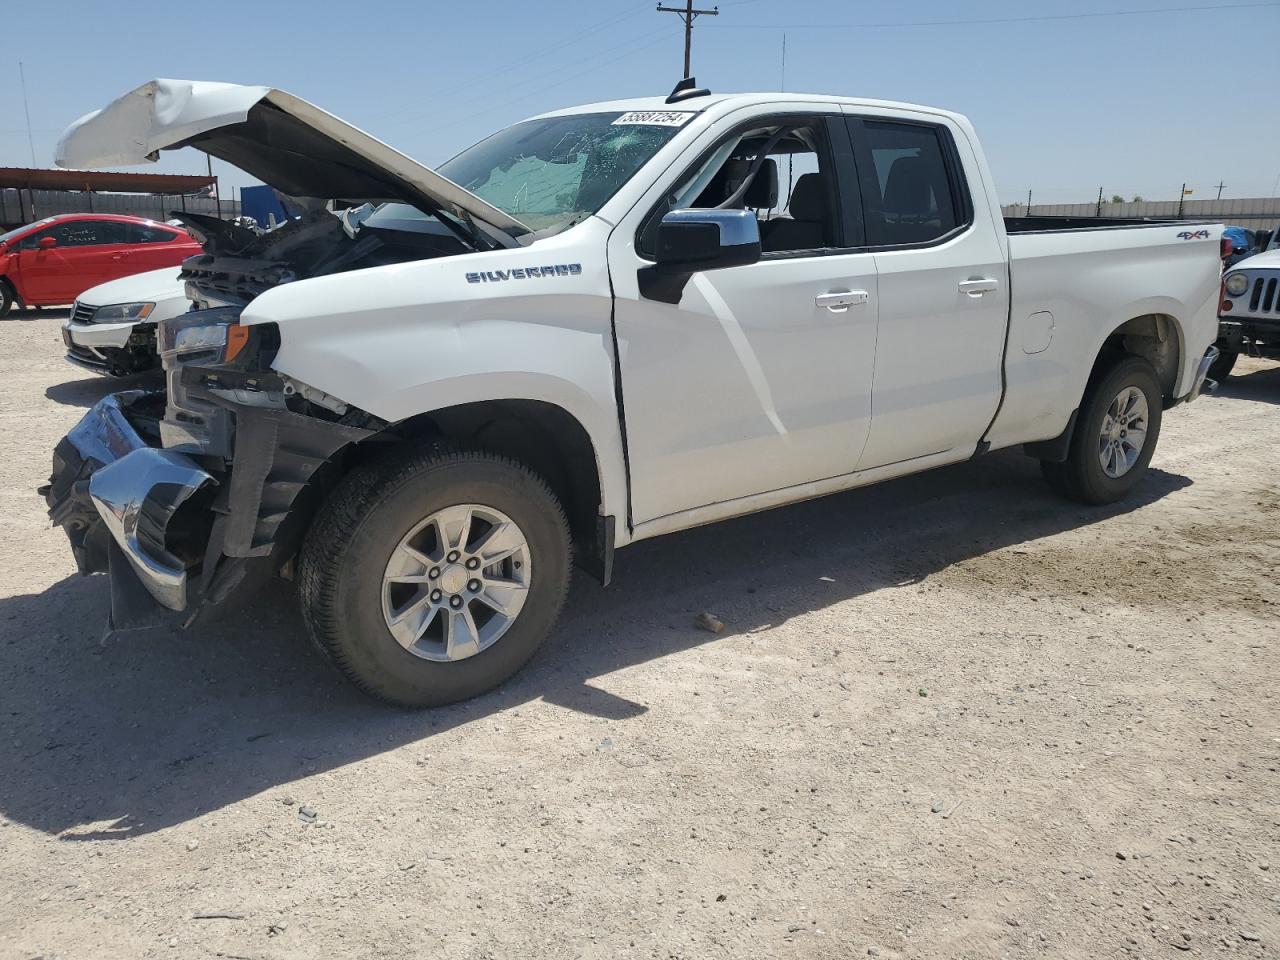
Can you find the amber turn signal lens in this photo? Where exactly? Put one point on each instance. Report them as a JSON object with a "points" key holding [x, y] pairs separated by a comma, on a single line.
{"points": [[237, 337]]}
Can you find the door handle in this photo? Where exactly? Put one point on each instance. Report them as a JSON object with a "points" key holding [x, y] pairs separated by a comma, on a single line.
{"points": [[838, 301], [977, 287], [119, 256]]}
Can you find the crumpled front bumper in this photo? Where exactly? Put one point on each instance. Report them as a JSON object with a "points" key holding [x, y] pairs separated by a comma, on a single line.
{"points": [[180, 530], [108, 480]]}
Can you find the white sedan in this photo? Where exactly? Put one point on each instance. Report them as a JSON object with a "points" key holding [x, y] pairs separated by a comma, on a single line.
{"points": [[112, 327]]}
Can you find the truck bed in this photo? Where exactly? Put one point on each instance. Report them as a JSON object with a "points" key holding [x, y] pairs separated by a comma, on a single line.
{"points": [[1073, 281]]}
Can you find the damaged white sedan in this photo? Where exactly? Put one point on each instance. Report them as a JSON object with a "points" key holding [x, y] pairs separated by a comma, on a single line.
{"points": [[112, 327], [594, 327]]}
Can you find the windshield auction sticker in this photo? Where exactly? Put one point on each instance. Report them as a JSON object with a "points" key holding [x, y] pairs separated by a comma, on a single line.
{"points": [[654, 118]]}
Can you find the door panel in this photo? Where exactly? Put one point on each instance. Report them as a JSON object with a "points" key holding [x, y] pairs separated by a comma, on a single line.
{"points": [[46, 274], [937, 377], [747, 385], [753, 382], [944, 291], [88, 252]]}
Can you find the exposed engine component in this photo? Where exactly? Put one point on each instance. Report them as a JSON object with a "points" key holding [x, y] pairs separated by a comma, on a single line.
{"points": [[239, 264]]}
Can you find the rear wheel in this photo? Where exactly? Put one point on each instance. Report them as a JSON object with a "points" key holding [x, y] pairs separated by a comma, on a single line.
{"points": [[1116, 433], [6, 299], [1221, 368], [436, 577]]}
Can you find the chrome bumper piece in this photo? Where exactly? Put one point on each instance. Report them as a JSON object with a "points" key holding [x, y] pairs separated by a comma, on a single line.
{"points": [[1202, 383], [135, 489]]}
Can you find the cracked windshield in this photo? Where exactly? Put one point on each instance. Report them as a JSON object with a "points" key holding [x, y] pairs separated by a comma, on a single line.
{"points": [[551, 173]]}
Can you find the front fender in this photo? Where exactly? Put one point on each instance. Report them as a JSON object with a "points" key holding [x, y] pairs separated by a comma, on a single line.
{"points": [[408, 339]]}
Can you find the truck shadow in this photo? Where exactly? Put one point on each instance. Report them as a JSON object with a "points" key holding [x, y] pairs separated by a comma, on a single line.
{"points": [[85, 391], [156, 728], [1262, 385]]}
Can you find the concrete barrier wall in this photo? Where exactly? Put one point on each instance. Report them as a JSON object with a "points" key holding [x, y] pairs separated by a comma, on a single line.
{"points": [[16, 205], [1248, 212]]}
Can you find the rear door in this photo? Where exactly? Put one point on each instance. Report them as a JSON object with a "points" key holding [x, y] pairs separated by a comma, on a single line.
{"points": [[759, 378], [943, 281]]}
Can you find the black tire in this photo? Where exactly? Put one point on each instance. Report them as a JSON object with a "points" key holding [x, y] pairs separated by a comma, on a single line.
{"points": [[1221, 368], [1081, 477], [6, 298], [346, 550]]}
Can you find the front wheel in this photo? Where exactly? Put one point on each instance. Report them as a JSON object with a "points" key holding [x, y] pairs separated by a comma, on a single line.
{"points": [[6, 299], [435, 578], [1116, 433]]}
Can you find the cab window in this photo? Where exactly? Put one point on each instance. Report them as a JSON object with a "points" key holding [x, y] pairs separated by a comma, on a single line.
{"points": [[913, 190], [786, 166], [147, 233], [78, 233]]}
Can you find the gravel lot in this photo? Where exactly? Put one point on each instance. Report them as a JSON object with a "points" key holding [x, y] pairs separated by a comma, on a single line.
{"points": [[951, 716]]}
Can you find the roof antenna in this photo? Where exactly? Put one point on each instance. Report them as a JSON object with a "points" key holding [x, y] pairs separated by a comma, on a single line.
{"points": [[687, 89]]}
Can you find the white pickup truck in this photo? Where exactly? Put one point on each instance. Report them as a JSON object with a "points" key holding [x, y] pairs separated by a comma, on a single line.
{"points": [[596, 326]]}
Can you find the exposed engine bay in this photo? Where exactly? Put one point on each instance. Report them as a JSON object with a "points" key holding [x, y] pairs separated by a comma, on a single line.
{"points": [[239, 263]]}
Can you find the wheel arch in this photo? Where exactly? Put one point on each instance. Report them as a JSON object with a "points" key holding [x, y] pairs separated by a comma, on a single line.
{"points": [[1156, 337], [14, 294], [543, 436]]}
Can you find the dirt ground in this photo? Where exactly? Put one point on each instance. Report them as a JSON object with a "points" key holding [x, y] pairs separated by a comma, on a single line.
{"points": [[951, 717]]}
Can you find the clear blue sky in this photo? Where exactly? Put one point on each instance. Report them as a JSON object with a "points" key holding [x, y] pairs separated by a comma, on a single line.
{"points": [[1132, 103]]}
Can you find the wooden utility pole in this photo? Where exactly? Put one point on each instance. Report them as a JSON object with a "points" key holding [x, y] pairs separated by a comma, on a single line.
{"points": [[216, 198], [688, 15], [1221, 185]]}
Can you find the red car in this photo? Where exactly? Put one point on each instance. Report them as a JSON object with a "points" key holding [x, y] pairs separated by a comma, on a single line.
{"points": [[56, 259]]}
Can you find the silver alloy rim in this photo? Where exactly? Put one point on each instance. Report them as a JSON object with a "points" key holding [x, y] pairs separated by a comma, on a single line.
{"points": [[1124, 431], [456, 582]]}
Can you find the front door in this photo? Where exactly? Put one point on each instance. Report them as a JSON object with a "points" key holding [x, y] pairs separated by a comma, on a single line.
{"points": [[85, 253], [759, 378]]}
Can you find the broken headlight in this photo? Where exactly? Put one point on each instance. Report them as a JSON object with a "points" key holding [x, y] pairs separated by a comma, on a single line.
{"points": [[199, 331], [122, 312]]}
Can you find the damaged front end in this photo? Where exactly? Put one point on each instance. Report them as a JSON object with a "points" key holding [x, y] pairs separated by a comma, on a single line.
{"points": [[183, 495]]}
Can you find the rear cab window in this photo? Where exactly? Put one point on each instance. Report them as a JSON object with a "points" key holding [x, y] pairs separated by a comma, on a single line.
{"points": [[913, 189]]}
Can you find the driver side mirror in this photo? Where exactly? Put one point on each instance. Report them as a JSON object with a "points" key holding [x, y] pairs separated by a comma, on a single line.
{"points": [[690, 241], [47, 243], [1263, 238]]}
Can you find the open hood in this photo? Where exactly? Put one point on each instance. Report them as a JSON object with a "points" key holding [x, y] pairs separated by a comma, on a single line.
{"points": [[285, 142]]}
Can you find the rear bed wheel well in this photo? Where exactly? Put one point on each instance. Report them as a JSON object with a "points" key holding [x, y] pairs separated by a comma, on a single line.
{"points": [[1157, 338]]}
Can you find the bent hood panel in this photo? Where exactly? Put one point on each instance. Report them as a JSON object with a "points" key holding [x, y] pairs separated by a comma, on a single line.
{"points": [[284, 141]]}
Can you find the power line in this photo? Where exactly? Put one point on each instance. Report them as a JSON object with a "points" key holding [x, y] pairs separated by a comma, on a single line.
{"points": [[617, 53], [990, 20], [542, 53], [688, 15], [555, 76]]}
